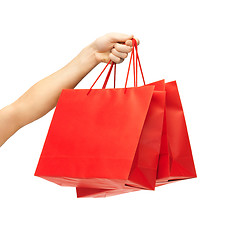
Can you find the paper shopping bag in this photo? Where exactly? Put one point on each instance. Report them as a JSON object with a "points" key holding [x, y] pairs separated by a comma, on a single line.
{"points": [[93, 137], [176, 160]]}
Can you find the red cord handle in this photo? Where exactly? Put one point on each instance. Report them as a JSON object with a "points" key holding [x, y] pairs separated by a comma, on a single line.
{"points": [[108, 75], [139, 63], [98, 77], [135, 67], [136, 63]]}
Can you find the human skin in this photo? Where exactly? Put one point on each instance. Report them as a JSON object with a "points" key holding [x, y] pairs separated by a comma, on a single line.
{"points": [[43, 96]]}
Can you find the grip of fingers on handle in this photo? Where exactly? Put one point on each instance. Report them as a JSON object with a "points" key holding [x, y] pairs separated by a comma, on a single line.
{"points": [[136, 62], [134, 43]]}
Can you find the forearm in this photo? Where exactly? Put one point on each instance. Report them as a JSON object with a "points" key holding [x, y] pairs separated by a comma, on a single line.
{"points": [[8, 123], [43, 96]]}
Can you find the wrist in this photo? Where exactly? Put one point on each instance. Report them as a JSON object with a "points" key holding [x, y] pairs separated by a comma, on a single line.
{"points": [[81, 65], [85, 61], [88, 55], [96, 55]]}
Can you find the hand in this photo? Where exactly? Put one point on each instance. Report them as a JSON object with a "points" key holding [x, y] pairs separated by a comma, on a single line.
{"points": [[113, 46]]}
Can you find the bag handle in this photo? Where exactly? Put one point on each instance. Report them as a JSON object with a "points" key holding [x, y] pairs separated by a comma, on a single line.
{"points": [[108, 75], [132, 58], [98, 77], [139, 63], [136, 63]]}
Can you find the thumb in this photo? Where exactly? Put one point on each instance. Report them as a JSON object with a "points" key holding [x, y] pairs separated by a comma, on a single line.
{"points": [[119, 37]]}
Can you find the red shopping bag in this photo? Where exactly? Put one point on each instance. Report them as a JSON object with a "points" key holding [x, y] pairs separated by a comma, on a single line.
{"points": [[94, 138], [154, 121], [175, 159]]}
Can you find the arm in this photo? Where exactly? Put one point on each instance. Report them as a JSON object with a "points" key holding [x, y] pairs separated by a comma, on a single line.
{"points": [[43, 96]]}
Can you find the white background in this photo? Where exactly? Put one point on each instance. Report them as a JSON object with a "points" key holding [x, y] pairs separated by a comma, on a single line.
{"points": [[193, 42]]}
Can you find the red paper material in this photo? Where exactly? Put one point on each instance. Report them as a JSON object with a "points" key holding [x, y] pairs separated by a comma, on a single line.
{"points": [[93, 138], [175, 160]]}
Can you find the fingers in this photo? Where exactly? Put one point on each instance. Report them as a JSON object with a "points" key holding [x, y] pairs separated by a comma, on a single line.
{"points": [[120, 50], [119, 54], [119, 37], [115, 58], [122, 38], [129, 42]]}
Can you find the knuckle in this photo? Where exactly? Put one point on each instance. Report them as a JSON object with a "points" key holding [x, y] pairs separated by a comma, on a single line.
{"points": [[119, 54], [114, 58], [128, 43], [117, 46], [118, 60], [130, 49], [111, 56], [114, 51], [121, 47]]}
